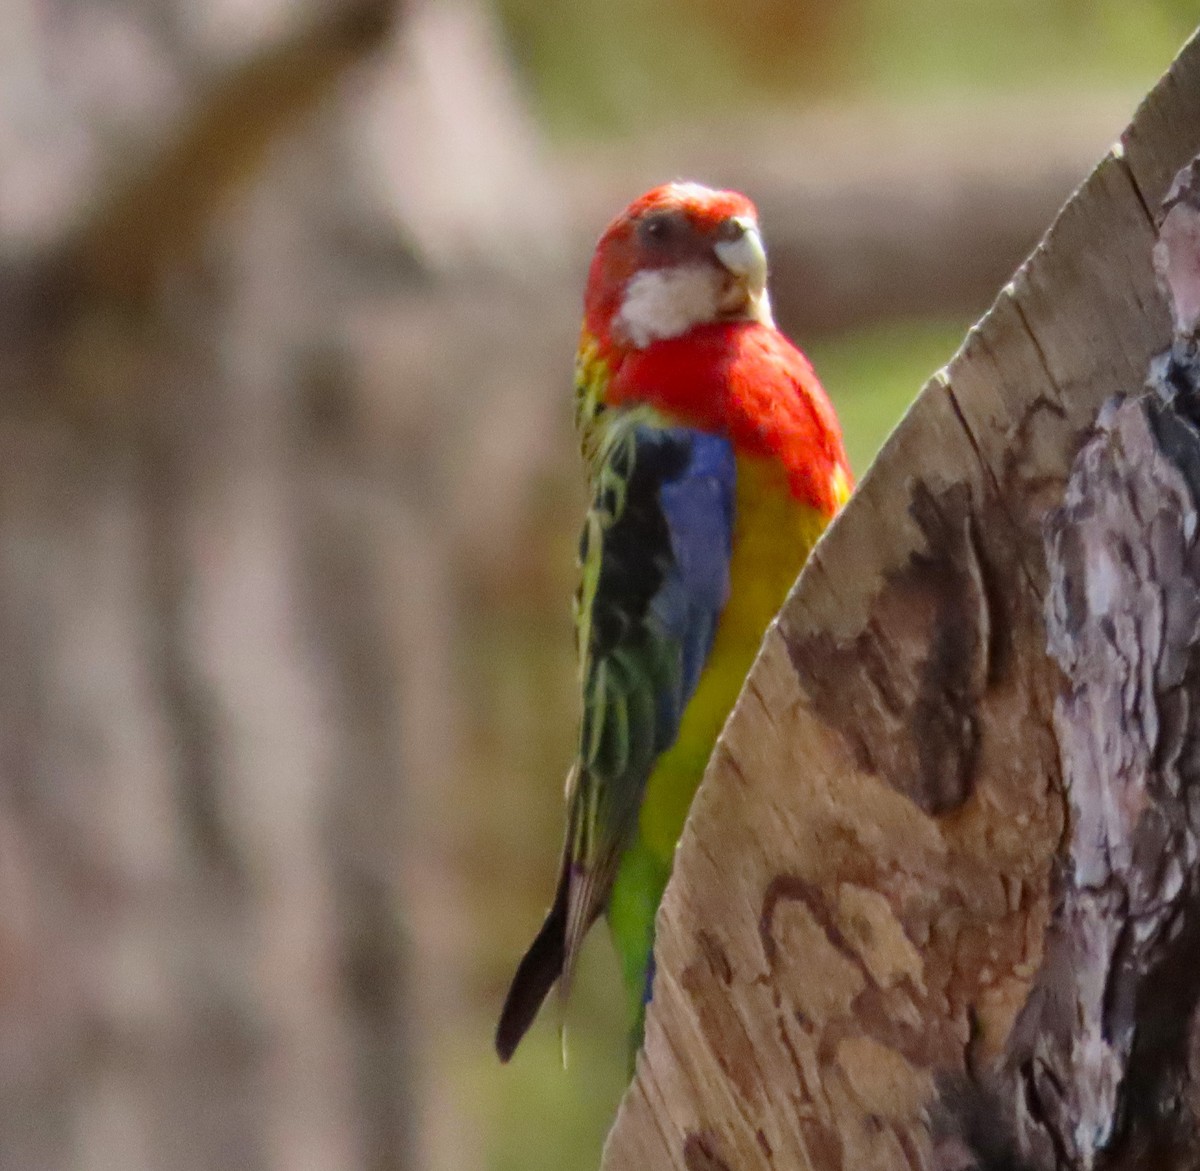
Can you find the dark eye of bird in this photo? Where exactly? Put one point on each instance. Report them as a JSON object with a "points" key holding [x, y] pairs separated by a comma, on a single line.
{"points": [[658, 229]]}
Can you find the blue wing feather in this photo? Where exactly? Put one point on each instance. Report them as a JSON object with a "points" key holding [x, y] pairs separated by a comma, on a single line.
{"points": [[698, 506]]}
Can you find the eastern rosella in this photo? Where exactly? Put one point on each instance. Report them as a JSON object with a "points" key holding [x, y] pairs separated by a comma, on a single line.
{"points": [[715, 460]]}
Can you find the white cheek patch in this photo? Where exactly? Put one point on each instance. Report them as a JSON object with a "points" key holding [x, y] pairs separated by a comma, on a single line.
{"points": [[666, 302]]}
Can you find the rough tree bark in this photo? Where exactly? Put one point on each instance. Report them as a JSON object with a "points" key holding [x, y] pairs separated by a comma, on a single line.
{"points": [[937, 904]]}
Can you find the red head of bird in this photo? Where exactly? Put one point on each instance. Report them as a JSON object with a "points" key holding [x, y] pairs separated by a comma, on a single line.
{"points": [[679, 256]]}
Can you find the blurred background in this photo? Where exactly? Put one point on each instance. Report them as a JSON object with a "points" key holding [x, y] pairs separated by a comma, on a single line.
{"points": [[289, 291]]}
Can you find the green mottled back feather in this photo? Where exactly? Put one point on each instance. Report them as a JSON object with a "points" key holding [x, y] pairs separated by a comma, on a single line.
{"points": [[654, 553]]}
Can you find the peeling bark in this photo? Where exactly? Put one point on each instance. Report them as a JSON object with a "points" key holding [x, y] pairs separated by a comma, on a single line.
{"points": [[1122, 618]]}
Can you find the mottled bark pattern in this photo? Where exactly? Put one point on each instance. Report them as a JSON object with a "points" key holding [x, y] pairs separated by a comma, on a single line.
{"points": [[916, 727]]}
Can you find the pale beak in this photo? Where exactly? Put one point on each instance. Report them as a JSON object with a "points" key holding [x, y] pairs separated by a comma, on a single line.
{"points": [[740, 250]]}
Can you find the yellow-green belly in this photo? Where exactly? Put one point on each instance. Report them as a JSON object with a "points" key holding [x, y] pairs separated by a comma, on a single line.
{"points": [[773, 535]]}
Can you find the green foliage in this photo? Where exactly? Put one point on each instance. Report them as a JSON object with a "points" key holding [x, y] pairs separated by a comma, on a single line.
{"points": [[618, 66], [930, 46]]}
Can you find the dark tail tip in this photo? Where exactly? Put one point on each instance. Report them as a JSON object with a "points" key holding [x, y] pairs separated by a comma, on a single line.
{"points": [[536, 974]]}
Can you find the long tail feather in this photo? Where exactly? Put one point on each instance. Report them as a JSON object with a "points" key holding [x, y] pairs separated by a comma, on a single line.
{"points": [[539, 969]]}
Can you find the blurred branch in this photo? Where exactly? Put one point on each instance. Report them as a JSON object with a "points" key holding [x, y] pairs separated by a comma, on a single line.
{"points": [[874, 214], [158, 214]]}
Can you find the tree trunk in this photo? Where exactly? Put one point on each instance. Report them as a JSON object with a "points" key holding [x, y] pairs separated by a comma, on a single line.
{"points": [[938, 902], [202, 963]]}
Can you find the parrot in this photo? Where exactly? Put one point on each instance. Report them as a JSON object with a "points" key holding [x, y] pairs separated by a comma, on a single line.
{"points": [[714, 461]]}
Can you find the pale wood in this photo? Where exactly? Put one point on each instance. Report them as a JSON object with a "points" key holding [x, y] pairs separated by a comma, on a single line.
{"points": [[861, 899]]}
